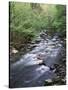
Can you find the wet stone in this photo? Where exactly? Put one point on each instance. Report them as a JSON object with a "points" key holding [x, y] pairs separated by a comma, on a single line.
{"points": [[33, 42], [38, 40], [32, 46], [48, 82]]}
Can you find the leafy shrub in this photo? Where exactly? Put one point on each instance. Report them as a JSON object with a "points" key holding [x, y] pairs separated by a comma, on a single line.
{"points": [[26, 20]]}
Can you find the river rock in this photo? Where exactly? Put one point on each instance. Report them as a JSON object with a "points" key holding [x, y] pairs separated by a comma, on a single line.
{"points": [[38, 40], [33, 42], [13, 50], [43, 35], [59, 81], [32, 46], [39, 61], [41, 56], [52, 67], [54, 39], [64, 60], [48, 82], [59, 45], [64, 80]]}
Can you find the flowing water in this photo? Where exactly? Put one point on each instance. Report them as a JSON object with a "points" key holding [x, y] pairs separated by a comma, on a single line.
{"points": [[34, 67]]}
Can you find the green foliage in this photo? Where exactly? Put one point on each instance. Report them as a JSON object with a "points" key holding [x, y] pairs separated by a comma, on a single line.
{"points": [[28, 19], [60, 20]]}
